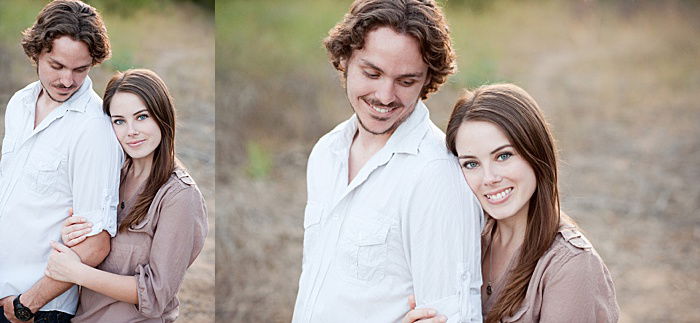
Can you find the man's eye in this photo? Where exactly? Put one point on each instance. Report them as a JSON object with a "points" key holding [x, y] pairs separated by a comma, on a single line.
{"points": [[408, 83], [372, 75]]}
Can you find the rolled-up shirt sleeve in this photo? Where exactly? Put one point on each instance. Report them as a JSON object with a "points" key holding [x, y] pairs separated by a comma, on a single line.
{"points": [[442, 233], [94, 174], [581, 290], [179, 237]]}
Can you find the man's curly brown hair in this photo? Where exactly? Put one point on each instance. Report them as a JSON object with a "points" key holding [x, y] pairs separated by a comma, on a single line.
{"points": [[421, 19], [70, 18]]}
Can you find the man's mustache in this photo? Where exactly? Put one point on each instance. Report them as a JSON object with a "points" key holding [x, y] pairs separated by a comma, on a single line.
{"points": [[377, 103], [64, 87]]}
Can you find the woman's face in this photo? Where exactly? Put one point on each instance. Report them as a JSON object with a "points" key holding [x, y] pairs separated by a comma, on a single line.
{"points": [[498, 175], [135, 128]]}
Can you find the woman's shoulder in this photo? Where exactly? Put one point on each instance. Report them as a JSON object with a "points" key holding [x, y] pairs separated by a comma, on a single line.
{"points": [[180, 185], [572, 252]]}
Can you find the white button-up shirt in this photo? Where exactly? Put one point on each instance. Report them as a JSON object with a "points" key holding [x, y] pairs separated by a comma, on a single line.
{"points": [[70, 160], [406, 224]]}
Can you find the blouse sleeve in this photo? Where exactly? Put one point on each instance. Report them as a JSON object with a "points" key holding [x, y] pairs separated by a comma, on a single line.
{"points": [[580, 291], [177, 240]]}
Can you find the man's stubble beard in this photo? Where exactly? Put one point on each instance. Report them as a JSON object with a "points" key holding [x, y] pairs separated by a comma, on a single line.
{"points": [[43, 87], [391, 129]]}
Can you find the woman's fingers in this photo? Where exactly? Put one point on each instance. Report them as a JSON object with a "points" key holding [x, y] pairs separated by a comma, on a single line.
{"points": [[73, 220], [419, 314], [412, 301], [59, 247], [74, 230], [74, 241]]}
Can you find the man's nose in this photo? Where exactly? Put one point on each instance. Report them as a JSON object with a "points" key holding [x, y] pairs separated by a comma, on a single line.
{"points": [[66, 78], [386, 93]]}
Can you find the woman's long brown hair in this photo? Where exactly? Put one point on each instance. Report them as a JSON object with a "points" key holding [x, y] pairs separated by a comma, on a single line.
{"points": [[151, 89], [516, 113]]}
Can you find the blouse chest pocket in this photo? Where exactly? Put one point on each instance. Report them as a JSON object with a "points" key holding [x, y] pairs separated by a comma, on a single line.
{"points": [[364, 246], [44, 170], [312, 229], [128, 250]]}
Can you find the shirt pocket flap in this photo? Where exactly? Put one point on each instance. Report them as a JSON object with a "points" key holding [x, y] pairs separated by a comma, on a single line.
{"points": [[8, 145], [48, 165], [312, 214], [46, 160], [369, 229]]}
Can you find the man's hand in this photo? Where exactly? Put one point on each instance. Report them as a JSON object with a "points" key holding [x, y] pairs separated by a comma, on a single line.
{"points": [[9, 309]]}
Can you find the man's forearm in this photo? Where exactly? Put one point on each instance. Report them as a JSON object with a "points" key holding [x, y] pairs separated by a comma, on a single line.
{"points": [[91, 251], [94, 249], [42, 292]]}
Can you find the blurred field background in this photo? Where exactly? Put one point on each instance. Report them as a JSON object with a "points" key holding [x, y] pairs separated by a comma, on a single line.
{"points": [[176, 40], [618, 80]]}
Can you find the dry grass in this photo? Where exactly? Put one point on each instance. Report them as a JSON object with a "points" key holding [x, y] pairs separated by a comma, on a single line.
{"points": [[618, 83]]}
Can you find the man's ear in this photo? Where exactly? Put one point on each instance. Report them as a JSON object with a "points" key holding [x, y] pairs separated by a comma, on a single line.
{"points": [[343, 65], [427, 79]]}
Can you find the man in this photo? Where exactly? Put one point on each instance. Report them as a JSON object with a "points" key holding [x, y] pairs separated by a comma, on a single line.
{"points": [[59, 153], [389, 214]]}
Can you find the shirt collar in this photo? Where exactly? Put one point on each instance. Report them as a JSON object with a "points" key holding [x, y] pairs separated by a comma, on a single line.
{"points": [[405, 139], [77, 102]]}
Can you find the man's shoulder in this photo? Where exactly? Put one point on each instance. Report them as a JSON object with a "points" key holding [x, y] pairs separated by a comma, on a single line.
{"points": [[93, 105], [432, 147], [23, 92], [330, 140]]}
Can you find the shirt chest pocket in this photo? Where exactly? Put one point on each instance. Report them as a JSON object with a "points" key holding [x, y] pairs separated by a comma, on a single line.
{"points": [[8, 147], [43, 171], [364, 247], [312, 230]]}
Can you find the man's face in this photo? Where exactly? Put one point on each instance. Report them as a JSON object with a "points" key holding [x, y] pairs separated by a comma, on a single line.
{"points": [[384, 80], [63, 70]]}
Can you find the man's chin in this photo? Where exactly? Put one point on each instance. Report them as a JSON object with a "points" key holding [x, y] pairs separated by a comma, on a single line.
{"points": [[60, 98], [377, 131]]}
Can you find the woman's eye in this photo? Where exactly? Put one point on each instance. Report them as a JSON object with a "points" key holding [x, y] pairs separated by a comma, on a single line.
{"points": [[470, 164], [118, 122], [504, 156], [142, 117]]}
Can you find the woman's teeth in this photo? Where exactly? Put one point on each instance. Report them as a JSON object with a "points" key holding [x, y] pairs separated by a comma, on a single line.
{"points": [[499, 196]]}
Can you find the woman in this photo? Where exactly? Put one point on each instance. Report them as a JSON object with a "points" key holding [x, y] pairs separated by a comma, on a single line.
{"points": [[536, 264], [162, 217]]}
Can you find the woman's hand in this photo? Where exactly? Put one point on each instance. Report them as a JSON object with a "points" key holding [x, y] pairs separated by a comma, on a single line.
{"points": [[64, 264], [421, 315], [75, 229]]}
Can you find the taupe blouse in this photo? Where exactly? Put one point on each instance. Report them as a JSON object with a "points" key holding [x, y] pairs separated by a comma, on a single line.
{"points": [[157, 251], [570, 283]]}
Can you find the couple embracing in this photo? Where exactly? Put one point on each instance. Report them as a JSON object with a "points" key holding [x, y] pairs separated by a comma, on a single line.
{"points": [[403, 223], [87, 182]]}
